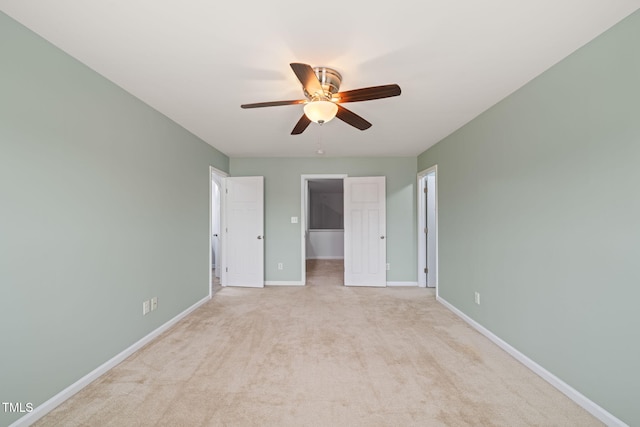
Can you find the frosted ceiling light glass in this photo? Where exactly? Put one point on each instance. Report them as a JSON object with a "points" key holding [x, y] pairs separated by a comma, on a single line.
{"points": [[320, 111]]}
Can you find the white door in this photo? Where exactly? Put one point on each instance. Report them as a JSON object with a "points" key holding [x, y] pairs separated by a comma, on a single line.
{"points": [[244, 232], [431, 229], [365, 245], [215, 227]]}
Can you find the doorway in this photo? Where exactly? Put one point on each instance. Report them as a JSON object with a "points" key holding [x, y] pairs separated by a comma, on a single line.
{"points": [[322, 229], [428, 228], [363, 249], [215, 221]]}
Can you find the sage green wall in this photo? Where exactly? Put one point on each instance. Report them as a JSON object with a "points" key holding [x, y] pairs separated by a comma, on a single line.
{"points": [[539, 210], [104, 203], [282, 201]]}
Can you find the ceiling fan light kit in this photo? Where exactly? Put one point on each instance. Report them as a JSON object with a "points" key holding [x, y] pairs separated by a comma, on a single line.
{"points": [[320, 111], [320, 86]]}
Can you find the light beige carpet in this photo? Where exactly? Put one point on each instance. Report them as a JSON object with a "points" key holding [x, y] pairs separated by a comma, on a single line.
{"points": [[325, 272], [320, 356]]}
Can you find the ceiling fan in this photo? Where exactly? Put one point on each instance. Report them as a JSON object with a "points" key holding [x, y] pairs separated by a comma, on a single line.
{"points": [[320, 86]]}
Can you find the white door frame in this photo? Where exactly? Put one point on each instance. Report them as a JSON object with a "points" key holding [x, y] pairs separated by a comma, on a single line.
{"points": [[304, 198], [218, 176], [422, 239]]}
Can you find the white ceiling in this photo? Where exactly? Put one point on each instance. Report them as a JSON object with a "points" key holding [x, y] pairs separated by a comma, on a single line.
{"points": [[196, 61]]}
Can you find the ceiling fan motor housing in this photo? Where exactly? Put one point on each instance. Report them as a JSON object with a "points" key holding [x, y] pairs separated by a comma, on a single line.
{"points": [[330, 81]]}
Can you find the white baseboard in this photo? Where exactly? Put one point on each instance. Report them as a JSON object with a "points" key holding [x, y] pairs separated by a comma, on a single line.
{"points": [[573, 394], [392, 284], [48, 406], [283, 283]]}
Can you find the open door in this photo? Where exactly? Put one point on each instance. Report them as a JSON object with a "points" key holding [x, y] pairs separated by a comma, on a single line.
{"points": [[244, 232], [365, 246], [427, 205], [430, 229]]}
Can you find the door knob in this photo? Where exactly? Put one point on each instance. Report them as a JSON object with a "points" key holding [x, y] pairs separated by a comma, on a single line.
{"points": [[382, 237], [259, 237]]}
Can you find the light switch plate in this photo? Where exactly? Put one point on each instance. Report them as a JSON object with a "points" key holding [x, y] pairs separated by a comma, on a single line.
{"points": [[294, 220]]}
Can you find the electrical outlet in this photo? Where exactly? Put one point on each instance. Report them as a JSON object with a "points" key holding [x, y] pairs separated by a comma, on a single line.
{"points": [[477, 298], [294, 220], [388, 266], [154, 303], [280, 266], [145, 307]]}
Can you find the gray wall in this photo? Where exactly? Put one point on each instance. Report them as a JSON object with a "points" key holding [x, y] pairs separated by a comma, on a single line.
{"points": [[103, 204], [539, 212], [282, 201], [326, 207]]}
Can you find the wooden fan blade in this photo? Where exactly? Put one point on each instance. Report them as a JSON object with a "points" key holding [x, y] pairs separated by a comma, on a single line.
{"points": [[368, 93], [272, 104], [352, 118], [301, 125], [307, 77]]}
